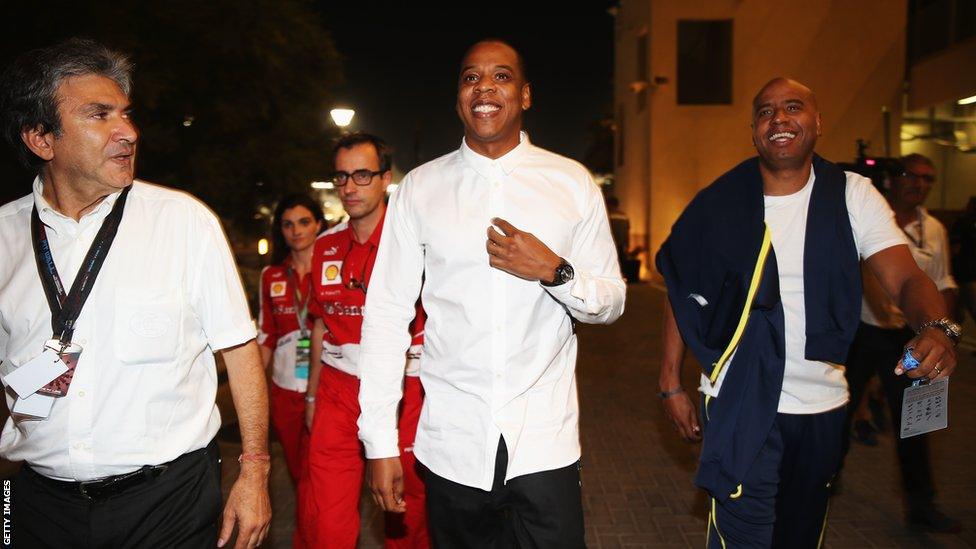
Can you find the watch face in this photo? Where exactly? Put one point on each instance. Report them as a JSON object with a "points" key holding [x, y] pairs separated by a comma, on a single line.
{"points": [[954, 328], [565, 272]]}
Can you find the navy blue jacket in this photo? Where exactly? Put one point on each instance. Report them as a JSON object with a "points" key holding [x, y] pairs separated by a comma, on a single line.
{"points": [[709, 264]]}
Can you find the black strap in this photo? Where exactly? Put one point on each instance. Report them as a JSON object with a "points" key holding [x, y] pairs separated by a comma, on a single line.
{"points": [[65, 308]]}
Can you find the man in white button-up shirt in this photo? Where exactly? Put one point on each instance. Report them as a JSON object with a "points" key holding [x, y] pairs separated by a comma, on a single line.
{"points": [[121, 453], [511, 245]]}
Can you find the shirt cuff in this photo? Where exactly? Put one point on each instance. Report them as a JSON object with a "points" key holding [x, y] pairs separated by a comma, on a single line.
{"points": [[947, 283], [382, 445]]}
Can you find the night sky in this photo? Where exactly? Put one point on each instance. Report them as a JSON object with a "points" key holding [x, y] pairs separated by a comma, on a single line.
{"points": [[401, 64]]}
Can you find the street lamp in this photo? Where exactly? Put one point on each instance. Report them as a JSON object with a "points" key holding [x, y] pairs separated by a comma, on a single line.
{"points": [[342, 117]]}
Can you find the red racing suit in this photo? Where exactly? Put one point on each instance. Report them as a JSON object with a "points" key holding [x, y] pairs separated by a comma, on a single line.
{"points": [[341, 269]]}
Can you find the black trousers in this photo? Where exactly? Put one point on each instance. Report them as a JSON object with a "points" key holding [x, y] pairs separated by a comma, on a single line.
{"points": [[541, 510], [877, 350], [782, 501], [178, 509]]}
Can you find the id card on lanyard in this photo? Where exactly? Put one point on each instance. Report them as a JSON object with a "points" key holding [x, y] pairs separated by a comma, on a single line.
{"points": [[303, 344], [65, 307]]}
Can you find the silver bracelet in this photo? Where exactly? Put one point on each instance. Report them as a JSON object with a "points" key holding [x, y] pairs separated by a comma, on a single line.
{"points": [[310, 399]]}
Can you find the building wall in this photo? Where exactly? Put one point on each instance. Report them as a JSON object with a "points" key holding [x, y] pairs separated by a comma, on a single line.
{"points": [[632, 124], [855, 69]]}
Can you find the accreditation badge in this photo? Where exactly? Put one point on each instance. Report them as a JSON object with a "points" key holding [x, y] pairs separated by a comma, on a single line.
{"points": [[925, 408], [69, 355], [303, 351]]}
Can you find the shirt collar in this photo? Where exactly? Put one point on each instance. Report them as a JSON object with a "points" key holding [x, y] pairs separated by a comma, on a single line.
{"points": [[507, 162], [374, 238], [53, 218]]}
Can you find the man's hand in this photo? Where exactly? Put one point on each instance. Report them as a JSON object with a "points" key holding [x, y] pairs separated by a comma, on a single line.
{"points": [[520, 253], [248, 507], [935, 353], [386, 484], [683, 414]]}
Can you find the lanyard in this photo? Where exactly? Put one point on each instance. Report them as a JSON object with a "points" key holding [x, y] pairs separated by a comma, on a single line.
{"points": [[920, 243], [301, 305], [65, 308]]}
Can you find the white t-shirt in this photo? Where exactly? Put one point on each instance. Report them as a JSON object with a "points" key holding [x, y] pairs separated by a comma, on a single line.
{"points": [[811, 387]]}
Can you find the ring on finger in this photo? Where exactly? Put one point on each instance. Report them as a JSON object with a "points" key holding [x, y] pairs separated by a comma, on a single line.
{"points": [[938, 369]]}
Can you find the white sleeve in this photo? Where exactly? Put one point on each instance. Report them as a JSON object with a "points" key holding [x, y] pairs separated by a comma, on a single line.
{"points": [[597, 292], [216, 293], [871, 217], [390, 308]]}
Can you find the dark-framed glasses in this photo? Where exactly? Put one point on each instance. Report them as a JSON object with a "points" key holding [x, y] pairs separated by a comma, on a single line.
{"points": [[359, 177]]}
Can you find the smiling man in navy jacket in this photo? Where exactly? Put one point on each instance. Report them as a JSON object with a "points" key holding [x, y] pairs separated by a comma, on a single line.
{"points": [[764, 286]]}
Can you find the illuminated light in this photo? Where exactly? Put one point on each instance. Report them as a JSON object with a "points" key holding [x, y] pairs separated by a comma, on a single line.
{"points": [[322, 185], [342, 117], [263, 246], [967, 100], [870, 162], [391, 187], [187, 121]]}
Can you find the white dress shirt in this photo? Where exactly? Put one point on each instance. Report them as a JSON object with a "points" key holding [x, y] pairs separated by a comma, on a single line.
{"points": [[500, 352], [167, 296], [929, 244]]}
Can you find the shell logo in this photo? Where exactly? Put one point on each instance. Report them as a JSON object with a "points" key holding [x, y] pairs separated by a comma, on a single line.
{"points": [[331, 273], [278, 288]]}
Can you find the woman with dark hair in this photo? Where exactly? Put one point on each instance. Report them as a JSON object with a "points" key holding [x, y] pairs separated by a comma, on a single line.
{"points": [[285, 327]]}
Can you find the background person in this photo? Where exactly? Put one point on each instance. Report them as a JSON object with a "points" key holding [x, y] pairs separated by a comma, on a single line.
{"points": [[342, 268], [884, 333]]}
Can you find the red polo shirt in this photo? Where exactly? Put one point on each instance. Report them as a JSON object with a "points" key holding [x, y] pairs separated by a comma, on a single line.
{"points": [[278, 321], [341, 270]]}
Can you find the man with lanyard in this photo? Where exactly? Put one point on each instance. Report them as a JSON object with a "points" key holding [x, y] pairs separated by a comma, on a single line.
{"points": [[763, 278], [113, 296], [498, 436], [884, 332], [342, 266]]}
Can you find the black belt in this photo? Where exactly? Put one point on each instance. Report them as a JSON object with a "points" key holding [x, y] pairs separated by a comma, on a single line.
{"points": [[104, 488]]}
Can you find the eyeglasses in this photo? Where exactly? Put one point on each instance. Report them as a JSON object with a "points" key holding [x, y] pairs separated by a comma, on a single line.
{"points": [[359, 177], [927, 177]]}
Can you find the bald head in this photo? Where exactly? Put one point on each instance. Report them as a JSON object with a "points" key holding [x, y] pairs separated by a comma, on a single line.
{"points": [[781, 83]]}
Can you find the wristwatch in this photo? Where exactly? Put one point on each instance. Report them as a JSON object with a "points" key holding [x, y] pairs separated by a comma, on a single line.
{"points": [[952, 330], [563, 274]]}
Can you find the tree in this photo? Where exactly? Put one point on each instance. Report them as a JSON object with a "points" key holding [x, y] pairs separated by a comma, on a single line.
{"points": [[230, 97]]}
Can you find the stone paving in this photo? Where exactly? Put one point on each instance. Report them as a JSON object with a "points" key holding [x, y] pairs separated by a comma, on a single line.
{"points": [[637, 474]]}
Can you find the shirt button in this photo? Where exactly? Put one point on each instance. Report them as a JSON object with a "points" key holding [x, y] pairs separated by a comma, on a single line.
{"points": [[81, 393], [79, 446]]}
